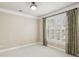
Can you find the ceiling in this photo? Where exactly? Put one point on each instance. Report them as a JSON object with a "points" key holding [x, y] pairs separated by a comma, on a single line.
{"points": [[42, 7]]}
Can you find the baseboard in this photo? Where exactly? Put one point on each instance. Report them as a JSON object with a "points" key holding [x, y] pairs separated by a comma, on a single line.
{"points": [[12, 48], [56, 47], [29, 44], [52, 46]]}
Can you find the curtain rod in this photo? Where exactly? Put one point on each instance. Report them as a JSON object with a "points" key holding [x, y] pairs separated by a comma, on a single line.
{"points": [[57, 14]]}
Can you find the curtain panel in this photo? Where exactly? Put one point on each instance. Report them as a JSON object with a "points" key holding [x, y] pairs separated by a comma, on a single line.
{"points": [[44, 33], [71, 46]]}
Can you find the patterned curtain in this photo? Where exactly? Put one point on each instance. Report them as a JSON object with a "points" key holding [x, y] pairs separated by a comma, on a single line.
{"points": [[72, 32], [44, 33]]}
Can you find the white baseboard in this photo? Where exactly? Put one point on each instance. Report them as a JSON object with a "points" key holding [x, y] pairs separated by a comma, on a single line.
{"points": [[52, 46], [12, 48], [56, 47], [29, 44]]}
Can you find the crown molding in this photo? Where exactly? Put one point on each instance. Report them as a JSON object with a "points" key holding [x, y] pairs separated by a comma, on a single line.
{"points": [[17, 13]]}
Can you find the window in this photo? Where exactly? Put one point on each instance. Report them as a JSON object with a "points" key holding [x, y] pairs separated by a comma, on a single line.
{"points": [[57, 27]]}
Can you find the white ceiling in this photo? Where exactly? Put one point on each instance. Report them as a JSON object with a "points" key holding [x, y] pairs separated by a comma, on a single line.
{"points": [[43, 7]]}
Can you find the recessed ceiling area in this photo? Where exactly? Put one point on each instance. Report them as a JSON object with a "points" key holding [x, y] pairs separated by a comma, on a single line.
{"points": [[42, 7]]}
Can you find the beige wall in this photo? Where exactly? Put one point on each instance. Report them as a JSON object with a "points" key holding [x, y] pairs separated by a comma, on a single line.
{"points": [[16, 30], [40, 30]]}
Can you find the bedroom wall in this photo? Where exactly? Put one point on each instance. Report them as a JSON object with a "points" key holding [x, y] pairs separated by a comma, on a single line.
{"points": [[16, 30], [40, 30]]}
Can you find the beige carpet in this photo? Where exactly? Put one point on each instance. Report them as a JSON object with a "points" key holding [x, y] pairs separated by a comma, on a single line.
{"points": [[35, 51]]}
